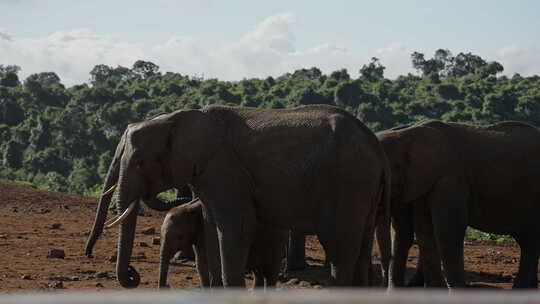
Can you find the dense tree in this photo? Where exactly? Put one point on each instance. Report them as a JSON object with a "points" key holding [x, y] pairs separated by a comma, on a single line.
{"points": [[145, 69], [63, 138], [373, 71]]}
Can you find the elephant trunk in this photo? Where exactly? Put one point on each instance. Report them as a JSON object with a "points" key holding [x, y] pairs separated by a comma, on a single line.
{"points": [[160, 205], [105, 200], [164, 260], [126, 274]]}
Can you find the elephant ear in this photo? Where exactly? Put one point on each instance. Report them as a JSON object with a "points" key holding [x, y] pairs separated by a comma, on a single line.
{"points": [[194, 138], [425, 160], [152, 135]]}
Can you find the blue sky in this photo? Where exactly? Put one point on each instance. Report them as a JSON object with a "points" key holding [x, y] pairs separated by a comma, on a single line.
{"points": [[241, 39]]}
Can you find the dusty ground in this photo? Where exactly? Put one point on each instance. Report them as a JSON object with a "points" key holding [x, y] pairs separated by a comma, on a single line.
{"points": [[27, 217]]}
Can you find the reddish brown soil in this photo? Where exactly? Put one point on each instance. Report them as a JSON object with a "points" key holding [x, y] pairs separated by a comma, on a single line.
{"points": [[26, 236]]}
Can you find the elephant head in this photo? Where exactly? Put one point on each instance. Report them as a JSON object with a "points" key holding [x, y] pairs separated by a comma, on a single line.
{"points": [[417, 156], [180, 231], [153, 156]]}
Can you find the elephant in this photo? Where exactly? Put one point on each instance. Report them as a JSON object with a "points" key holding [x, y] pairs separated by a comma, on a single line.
{"points": [[313, 168], [447, 176], [182, 194], [183, 229]]}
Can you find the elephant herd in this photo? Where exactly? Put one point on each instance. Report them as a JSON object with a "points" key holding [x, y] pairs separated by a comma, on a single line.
{"points": [[260, 173]]}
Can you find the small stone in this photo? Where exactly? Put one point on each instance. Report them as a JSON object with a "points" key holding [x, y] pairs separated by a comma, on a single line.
{"points": [[99, 285], [57, 285], [42, 211], [143, 244], [56, 254], [139, 256], [317, 286], [26, 277], [56, 226], [156, 241], [101, 275], [293, 281], [149, 231]]}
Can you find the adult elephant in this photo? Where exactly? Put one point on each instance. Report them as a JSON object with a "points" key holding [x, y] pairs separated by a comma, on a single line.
{"points": [[316, 168], [446, 176]]}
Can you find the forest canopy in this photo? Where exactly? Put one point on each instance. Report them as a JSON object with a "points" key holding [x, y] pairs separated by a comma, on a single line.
{"points": [[63, 139]]}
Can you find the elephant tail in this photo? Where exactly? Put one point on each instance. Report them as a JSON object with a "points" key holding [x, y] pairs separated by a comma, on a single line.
{"points": [[383, 224]]}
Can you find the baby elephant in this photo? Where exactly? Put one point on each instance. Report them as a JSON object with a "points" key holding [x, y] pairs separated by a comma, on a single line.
{"points": [[183, 228]]}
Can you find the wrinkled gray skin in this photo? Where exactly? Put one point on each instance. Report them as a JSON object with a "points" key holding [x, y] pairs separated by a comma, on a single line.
{"points": [[446, 176], [183, 228], [316, 168]]}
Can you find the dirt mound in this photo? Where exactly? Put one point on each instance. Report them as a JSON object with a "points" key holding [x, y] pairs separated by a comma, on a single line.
{"points": [[42, 236]]}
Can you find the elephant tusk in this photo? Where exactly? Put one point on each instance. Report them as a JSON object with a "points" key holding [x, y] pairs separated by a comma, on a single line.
{"points": [[118, 220], [111, 190]]}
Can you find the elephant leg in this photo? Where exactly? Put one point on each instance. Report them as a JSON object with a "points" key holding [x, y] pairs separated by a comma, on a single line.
{"points": [[271, 263], [237, 235], [258, 279], [201, 261], [236, 227], [213, 262], [429, 262], [352, 229], [296, 251], [385, 248], [364, 275], [448, 206], [417, 279], [402, 239], [527, 276], [328, 246]]}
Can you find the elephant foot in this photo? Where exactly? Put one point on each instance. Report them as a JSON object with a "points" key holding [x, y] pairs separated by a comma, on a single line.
{"points": [[185, 255], [131, 279]]}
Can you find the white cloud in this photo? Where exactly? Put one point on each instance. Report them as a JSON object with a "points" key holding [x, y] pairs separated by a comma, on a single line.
{"points": [[524, 60], [270, 48], [71, 54]]}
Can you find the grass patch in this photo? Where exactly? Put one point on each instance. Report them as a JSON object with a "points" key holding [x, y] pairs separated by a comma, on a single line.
{"points": [[25, 183], [474, 234]]}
